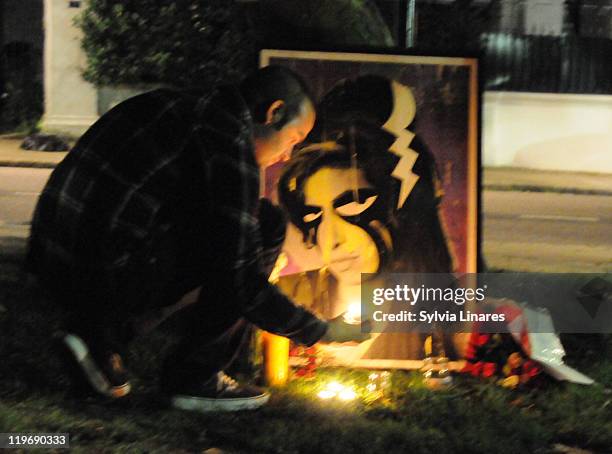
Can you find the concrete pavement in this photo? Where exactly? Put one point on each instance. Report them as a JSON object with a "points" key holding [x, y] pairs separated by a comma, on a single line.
{"points": [[13, 156], [518, 179], [494, 178]]}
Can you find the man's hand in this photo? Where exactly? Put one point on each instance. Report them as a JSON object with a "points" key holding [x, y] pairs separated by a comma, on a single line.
{"points": [[340, 331]]}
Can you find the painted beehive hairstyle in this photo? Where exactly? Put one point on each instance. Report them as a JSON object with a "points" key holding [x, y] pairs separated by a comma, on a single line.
{"points": [[365, 124]]}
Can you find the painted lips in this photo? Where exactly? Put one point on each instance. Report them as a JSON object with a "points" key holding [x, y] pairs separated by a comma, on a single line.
{"points": [[344, 263]]}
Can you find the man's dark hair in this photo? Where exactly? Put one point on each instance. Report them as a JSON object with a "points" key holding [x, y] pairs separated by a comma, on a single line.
{"points": [[269, 84]]}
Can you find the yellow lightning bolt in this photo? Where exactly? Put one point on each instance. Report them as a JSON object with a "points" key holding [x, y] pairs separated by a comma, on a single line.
{"points": [[404, 110]]}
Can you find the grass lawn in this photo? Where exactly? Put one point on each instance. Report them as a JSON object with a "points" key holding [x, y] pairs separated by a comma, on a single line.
{"points": [[471, 417]]}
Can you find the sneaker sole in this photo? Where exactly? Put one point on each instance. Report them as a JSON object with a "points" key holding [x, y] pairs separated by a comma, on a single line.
{"points": [[95, 377], [203, 404]]}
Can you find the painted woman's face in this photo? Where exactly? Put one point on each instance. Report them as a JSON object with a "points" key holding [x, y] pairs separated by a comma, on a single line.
{"points": [[334, 198]]}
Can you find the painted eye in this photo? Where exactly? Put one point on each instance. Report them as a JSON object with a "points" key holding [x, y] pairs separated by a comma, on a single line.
{"points": [[310, 217], [355, 208]]}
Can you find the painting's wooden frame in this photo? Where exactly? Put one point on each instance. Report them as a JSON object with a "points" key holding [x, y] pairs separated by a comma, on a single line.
{"points": [[470, 173]]}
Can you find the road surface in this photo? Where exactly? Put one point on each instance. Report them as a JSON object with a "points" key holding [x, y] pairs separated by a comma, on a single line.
{"points": [[545, 231], [526, 231]]}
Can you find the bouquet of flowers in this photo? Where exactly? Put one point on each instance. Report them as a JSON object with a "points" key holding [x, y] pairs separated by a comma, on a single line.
{"points": [[524, 356], [498, 357]]}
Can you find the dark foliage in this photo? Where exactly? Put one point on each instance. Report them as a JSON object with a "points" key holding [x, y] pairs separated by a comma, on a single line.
{"points": [[173, 42], [21, 92], [456, 27]]}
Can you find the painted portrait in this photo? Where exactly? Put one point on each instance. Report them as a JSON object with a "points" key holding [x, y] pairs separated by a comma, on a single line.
{"points": [[385, 183]]}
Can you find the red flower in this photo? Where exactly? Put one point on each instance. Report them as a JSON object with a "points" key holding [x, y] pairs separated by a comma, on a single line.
{"points": [[531, 368], [472, 368], [466, 368], [489, 369], [476, 369], [480, 369], [482, 339], [470, 353]]}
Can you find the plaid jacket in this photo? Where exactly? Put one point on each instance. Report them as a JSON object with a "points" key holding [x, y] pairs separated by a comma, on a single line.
{"points": [[165, 159]]}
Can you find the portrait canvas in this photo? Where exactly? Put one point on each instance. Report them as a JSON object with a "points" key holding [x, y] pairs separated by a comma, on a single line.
{"points": [[387, 181]]}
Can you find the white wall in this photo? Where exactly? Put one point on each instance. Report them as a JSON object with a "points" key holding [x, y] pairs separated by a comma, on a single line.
{"points": [[547, 131], [70, 102]]}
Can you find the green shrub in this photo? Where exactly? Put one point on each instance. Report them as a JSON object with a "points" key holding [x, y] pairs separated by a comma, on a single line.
{"points": [[178, 43]]}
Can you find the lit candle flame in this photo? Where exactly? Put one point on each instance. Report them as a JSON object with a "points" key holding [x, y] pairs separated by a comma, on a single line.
{"points": [[326, 394], [335, 387], [347, 394], [353, 313]]}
